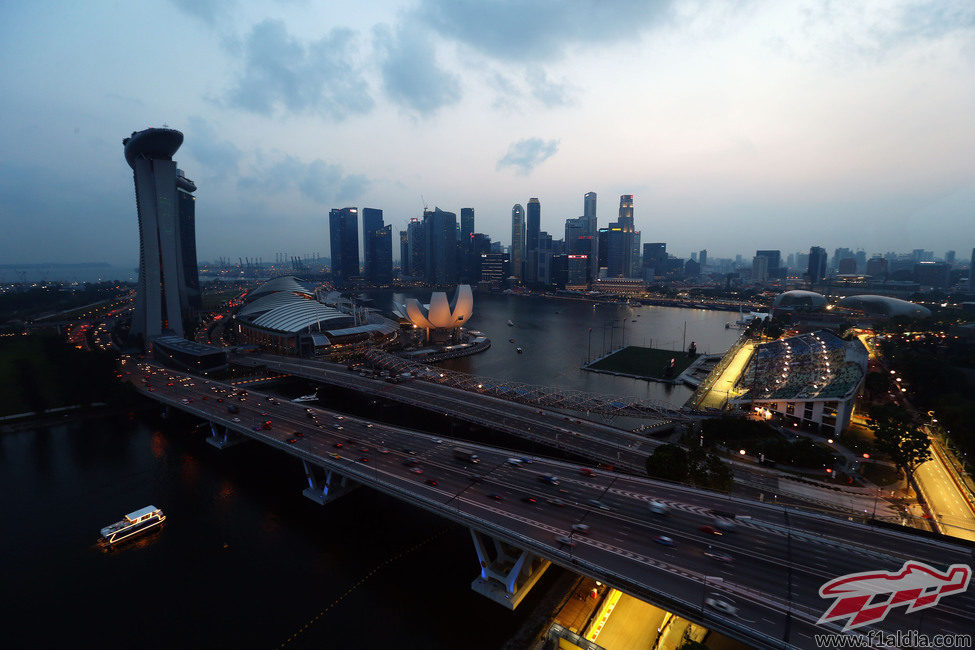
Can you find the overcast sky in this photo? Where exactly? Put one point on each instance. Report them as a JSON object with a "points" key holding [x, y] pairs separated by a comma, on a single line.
{"points": [[736, 126]]}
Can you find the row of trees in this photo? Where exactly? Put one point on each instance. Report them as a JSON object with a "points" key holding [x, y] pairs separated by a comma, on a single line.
{"points": [[695, 466]]}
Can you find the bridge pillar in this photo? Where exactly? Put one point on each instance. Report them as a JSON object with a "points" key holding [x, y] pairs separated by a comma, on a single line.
{"points": [[223, 437], [325, 485], [507, 572]]}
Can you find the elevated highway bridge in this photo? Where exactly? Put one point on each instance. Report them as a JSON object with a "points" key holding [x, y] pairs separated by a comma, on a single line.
{"points": [[758, 583]]}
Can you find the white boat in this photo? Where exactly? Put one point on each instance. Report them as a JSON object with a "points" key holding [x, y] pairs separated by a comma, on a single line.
{"points": [[306, 398], [519, 350], [510, 324], [134, 523]]}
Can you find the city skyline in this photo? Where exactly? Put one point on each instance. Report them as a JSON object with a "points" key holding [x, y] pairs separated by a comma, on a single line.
{"points": [[850, 120]]}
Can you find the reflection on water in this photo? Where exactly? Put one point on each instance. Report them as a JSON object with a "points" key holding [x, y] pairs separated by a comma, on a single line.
{"points": [[242, 561], [138, 543], [558, 336]]}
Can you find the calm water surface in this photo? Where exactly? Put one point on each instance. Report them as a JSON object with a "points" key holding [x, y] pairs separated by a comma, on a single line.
{"points": [[244, 560]]}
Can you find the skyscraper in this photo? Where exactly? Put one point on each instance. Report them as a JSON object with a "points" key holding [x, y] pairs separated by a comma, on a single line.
{"points": [[774, 258], [589, 213], [467, 261], [817, 265], [418, 248], [168, 284], [654, 260], [625, 223], [517, 240], [702, 258], [404, 253], [617, 249], [533, 227], [440, 232], [372, 220], [343, 230], [379, 243]]}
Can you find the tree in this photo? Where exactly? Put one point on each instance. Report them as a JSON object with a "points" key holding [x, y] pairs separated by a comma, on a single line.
{"points": [[668, 462], [705, 469], [898, 436]]}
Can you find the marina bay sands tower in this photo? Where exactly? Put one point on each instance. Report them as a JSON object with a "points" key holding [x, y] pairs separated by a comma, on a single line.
{"points": [[168, 293]]}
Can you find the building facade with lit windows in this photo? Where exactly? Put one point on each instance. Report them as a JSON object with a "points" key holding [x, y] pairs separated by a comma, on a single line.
{"points": [[810, 380]]}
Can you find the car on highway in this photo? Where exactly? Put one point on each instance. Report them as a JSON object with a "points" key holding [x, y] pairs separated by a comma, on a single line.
{"points": [[292, 441], [410, 462], [550, 479], [529, 499], [710, 530], [598, 504], [514, 461], [236, 419], [337, 445], [411, 452], [562, 539], [416, 470], [437, 440], [431, 481], [267, 425], [658, 508], [721, 605], [725, 524], [337, 427], [495, 496], [663, 540], [299, 434], [585, 471], [383, 450], [717, 555], [580, 528], [363, 459], [332, 454], [556, 502]]}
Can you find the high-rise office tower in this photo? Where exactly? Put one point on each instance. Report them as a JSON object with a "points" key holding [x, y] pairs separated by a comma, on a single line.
{"points": [[533, 221], [466, 260], [617, 249], [404, 253], [816, 270], [702, 258], [343, 231], [379, 243], [418, 248], [168, 286], [589, 213], [517, 240], [635, 255], [440, 230], [602, 258], [625, 223], [774, 258], [950, 258], [543, 255], [372, 220], [760, 271], [466, 225], [654, 260]]}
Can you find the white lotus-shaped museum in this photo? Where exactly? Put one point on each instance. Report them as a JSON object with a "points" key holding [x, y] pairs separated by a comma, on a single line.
{"points": [[439, 314]]}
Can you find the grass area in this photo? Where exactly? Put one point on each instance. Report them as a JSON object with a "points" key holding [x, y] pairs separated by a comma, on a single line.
{"points": [[644, 362]]}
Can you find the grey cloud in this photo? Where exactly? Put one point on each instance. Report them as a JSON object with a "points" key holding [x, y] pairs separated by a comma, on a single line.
{"points": [[527, 154], [539, 30], [411, 76], [209, 11], [219, 157], [550, 93], [280, 71], [322, 182]]}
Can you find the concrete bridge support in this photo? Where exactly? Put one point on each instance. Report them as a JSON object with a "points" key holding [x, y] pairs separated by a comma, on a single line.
{"points": [[507, 572], [222, 437], [325, 485]]}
